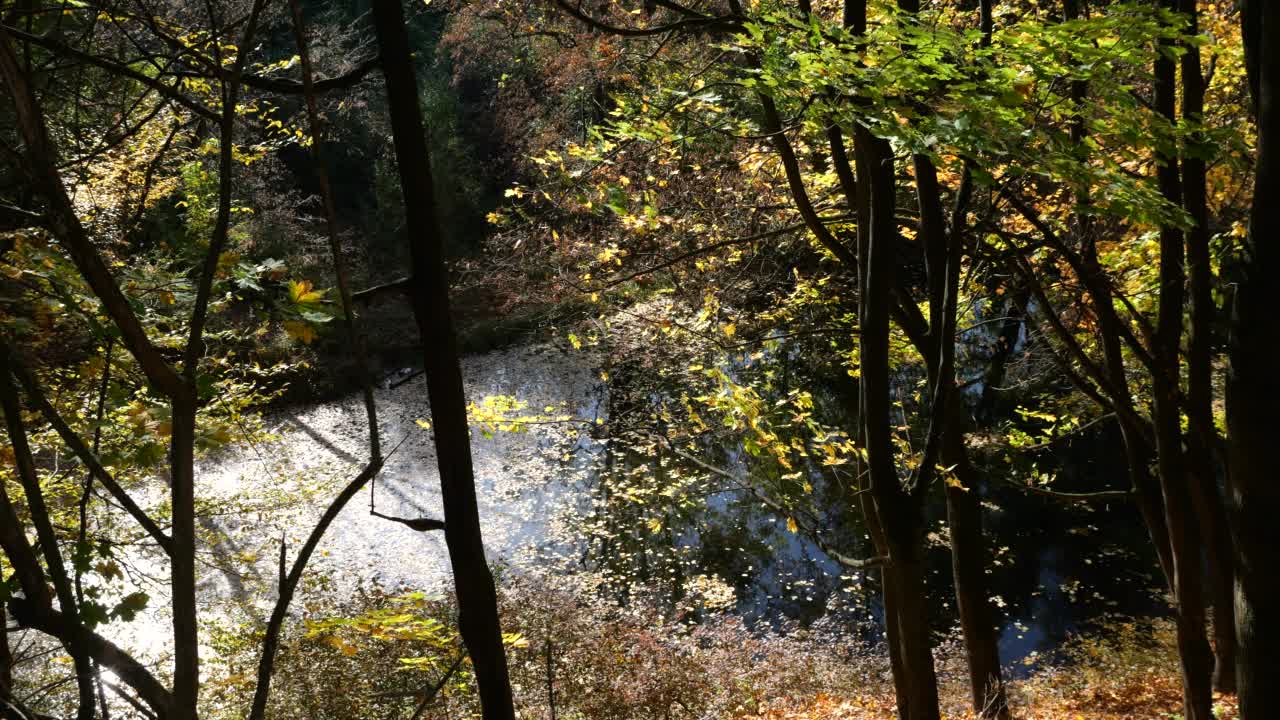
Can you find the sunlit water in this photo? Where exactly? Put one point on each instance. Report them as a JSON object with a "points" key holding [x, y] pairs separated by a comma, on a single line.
{"points": [[533, 488], [525, 482]]}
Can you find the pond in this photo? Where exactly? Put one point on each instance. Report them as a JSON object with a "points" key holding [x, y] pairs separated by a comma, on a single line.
{"points": [[540, 492]]}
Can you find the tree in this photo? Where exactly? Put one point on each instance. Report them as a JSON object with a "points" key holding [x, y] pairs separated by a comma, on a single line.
{"points": [[167, 339], [1252, 386], [429, 290]]}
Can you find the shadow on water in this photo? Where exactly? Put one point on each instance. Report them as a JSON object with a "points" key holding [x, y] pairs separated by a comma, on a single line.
{"points": [[1055, 569]]}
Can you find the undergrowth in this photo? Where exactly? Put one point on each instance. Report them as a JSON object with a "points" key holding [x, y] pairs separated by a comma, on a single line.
{"points": [[384, 654]]}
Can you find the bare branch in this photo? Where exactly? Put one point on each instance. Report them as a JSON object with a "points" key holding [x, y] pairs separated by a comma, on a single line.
{"points": [[66, 225], [694, 21], [271, 641], [319, 87], [168, 91], [370, 294]]}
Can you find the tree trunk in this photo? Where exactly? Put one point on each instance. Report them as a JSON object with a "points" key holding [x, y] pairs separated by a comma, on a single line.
{"points": [[1184, 535], [186, 658], [477, 599], [897, 509], [889, 601], [6, 656], [945, 441], [1200, 441], [1253, 390], [25, 468], [968, 567]]}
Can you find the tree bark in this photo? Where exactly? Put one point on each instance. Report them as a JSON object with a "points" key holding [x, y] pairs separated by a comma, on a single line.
{"points": [[1253, 389], [477, 598], [1184, 535], [897, 509], [1207, 499]]}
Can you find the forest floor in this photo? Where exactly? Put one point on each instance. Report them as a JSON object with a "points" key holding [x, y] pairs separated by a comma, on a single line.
{"points": [[1122, 672], [1039, 698]]}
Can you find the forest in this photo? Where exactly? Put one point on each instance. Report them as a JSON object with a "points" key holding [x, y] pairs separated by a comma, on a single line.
{"points": [[639, 359]]}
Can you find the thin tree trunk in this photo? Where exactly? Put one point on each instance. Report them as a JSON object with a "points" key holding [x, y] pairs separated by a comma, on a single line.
{"points": [[889, 602], [289, 582], [6, 655], [477, 599], [943, 255], [1201, 439], [62, 583], [1183, 528], [185, 401], [860, 203], [1253, 390], [968, 567], [897, 509], [315, 130], [186, 629]]}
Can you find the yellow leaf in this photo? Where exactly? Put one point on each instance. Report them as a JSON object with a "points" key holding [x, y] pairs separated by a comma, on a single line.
{"points": [[792, 525], [347, 648], [729, 329], [301, 293], [300, 331]]}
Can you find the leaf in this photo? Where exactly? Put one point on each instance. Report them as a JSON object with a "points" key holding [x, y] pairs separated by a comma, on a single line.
{"points": [[130, 605], [109, 570], [515, 640], [342, 645], [792, 525], [301, 293], [93, 613], [300, 331]]}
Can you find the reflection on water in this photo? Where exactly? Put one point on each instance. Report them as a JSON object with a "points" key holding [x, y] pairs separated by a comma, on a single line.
{"points": [[554, 499]]}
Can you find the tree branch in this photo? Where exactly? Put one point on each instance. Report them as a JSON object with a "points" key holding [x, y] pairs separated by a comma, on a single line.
{"points": [[169, 91], [65, 223], [727, 22], [395, 286], [271, 641], [1103, 496], [319, 87], [81, 450], [107, 654]]}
